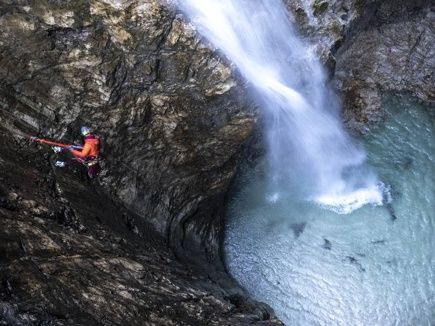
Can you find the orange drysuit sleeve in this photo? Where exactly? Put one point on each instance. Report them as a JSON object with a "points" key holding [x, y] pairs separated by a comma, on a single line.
{"points": [[84, 152]]}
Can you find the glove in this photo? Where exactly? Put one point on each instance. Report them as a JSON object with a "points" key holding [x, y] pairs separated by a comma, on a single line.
{"points": [[32, 138], [57, 149]]}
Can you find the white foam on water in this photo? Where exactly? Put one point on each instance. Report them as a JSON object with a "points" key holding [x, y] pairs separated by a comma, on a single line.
{"points": [[347, 203]]}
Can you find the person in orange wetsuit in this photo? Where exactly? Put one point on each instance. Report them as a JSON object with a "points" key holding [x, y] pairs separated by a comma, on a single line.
{"points": [[89, 153]]}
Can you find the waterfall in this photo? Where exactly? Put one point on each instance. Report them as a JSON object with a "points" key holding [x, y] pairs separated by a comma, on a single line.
{"points": [[308, 147]]}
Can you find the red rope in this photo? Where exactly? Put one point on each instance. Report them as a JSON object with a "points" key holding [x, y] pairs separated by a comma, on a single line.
{"points": [[49, 142], [52, 143]]}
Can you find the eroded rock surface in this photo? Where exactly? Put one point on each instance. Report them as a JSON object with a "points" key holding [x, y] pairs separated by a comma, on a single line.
{"points": [[70, 256], [392, 55], [371, 47], [327, 23], [166, 106], [172, 117]]}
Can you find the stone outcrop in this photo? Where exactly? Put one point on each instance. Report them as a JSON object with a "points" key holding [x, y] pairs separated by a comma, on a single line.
{"points": [[165, 105], [392, 55], [326, 24], [371, 47]]}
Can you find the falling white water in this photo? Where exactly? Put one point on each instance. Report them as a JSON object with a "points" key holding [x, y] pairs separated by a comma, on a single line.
{"points": [[308, 147]]}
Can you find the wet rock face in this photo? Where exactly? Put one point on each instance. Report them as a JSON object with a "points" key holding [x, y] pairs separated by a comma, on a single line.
{"points": [[394, 55], [326, 24], [66, 261], [166, 106], [172, 117], [371, 47]]}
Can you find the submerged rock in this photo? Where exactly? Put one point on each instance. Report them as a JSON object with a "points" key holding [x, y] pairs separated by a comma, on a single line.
{"points": [[327, 244], [352, 260], [298, 228]]}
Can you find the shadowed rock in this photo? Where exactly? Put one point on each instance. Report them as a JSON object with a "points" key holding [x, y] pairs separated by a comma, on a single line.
{"points": [[70, 256], [169, 112]]}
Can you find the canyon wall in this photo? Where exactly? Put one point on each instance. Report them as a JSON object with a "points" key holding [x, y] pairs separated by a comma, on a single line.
{"points": [[175, 118]]}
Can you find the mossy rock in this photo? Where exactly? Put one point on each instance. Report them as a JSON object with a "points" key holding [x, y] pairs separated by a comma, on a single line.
{"points": [[320, 7]]}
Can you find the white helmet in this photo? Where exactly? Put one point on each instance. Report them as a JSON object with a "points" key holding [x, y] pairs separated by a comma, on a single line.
{"points": [[85, 130]]}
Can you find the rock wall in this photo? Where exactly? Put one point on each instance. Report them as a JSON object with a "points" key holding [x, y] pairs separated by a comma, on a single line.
{"points": [[70, 256], [371, 47], [173, 118], [395, 53], [167, 107], [172, 122]]}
